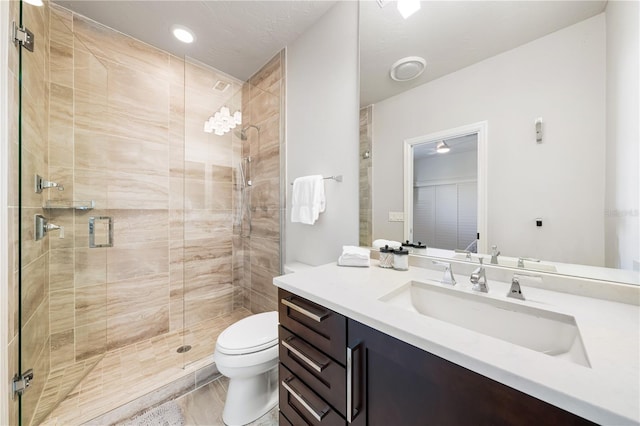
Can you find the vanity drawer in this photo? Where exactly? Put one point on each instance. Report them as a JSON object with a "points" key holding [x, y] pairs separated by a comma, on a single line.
{"points": [[318, 371], [321, 327], [301, 406]]}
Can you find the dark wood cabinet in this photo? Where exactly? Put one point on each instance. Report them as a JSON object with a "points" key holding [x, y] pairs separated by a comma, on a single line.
{"points": [[395, 383], [337, 371]]}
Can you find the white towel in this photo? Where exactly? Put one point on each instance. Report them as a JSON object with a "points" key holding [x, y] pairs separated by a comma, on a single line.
{"points": [[377, 244], [354, 256], [307, 199]]}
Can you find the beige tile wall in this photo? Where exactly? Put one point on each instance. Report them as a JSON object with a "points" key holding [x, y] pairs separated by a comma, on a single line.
{"points": [[366, 140], [262, 96], [138, 150], [35, 254], [12, 231], [123, 127]]}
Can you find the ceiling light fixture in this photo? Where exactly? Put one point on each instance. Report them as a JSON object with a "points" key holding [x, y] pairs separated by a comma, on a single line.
{"points": [[442, 147], [408, 7], [34, 2], [408, 68], [183, 34], [222, 121]]}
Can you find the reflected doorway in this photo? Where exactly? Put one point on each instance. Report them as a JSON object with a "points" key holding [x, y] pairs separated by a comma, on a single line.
{"points": [[445, 192]]}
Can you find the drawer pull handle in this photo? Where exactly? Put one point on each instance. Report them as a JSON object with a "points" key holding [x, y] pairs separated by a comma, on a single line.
{"points": [[304, 311], [318, 366], [352, 411], [318, 415]]}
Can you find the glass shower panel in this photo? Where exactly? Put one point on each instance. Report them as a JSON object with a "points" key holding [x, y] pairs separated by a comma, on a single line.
{"points": [[63, 109], [212, 117]]}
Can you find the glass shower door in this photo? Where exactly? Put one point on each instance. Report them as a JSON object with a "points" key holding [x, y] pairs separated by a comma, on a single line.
{"points": [[62, 259]]}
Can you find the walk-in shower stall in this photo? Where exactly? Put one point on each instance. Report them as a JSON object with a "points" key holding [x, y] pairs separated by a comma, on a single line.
{"points": [[138, 235]]}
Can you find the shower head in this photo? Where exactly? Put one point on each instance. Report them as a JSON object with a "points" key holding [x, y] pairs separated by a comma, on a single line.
{"points": [[243, 132]]}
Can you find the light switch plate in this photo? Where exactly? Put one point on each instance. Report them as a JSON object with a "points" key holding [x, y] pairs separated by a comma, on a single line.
{"points": [[396, 216]]}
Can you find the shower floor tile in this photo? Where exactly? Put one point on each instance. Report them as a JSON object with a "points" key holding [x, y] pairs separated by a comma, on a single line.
{"points": [[131, 372]]}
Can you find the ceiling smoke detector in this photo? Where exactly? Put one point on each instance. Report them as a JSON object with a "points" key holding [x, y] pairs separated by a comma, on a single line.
{"points": [[407, 68]]}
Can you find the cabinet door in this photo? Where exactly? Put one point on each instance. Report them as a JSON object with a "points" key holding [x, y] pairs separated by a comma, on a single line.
{"points": [[394, 383]]}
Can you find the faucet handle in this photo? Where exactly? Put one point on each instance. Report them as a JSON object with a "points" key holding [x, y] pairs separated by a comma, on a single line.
{"points": [[448, 272], [515, 291], [528, 259], [51, 227]]}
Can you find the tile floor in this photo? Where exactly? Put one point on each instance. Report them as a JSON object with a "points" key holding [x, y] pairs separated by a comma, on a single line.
{"points": [[203, 407], [134, 371]]}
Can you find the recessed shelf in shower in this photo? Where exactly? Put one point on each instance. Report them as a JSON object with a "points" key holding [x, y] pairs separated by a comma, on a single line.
{"points": [[74, 205]]}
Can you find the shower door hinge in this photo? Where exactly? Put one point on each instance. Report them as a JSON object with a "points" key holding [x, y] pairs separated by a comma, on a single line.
{"points": [[24, 37], [22, 383]]}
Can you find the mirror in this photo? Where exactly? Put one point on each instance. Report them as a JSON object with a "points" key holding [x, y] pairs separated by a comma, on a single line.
{"points": [[556, 84]]}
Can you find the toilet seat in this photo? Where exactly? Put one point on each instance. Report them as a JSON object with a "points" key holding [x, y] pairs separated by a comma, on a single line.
{"points": [[251, 334]]}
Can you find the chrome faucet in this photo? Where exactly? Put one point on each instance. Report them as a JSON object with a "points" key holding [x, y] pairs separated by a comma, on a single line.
{"points": [[494, 255], [528, 259], [467, 252], [479, 279], [448, 273], [515, 291]]}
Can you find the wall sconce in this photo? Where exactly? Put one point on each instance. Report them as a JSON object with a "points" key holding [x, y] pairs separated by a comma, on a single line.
{"points": [[222, 121], [442, 147]]}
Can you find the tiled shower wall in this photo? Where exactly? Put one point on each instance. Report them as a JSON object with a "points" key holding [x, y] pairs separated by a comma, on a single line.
{"points": [[136, 147], [366, 139], [35, 255], [125, 130], [261, 105], [12, 215]]}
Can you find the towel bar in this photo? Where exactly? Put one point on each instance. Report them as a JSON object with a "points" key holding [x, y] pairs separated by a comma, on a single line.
{"points": [[337, 178]]}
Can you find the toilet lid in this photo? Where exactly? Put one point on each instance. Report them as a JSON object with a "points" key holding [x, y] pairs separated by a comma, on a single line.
{"points": [[250, 334]]}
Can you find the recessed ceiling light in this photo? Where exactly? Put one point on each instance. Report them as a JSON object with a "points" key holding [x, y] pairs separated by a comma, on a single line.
{"points": [[34, 2], [183, 34], [407, 68]]}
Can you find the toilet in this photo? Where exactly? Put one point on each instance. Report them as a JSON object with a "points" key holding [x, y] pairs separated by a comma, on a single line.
{"points": [[247, 353]]}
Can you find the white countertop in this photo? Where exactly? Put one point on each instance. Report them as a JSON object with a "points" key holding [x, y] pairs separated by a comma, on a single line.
{"points": [[607, 393]]}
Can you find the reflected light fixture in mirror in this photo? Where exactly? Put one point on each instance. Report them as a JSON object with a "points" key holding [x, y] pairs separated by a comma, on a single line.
{"points": [[183, 34], [408, 7], [442, 147], [34, 2]]}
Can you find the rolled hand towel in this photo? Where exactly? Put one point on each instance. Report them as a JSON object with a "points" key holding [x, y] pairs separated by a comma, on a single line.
{"points": [[377, 244], [354, 256]]}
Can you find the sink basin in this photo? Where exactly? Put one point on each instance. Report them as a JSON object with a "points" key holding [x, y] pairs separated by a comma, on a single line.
{"points": [[510, 262], [537, 329]]}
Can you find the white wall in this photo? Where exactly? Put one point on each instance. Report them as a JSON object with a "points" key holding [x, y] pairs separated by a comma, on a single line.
{"points": [[622, 235], [561, 78], [322, 131]]}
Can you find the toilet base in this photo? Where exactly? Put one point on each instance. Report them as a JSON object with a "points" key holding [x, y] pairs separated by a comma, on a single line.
{"points": [[250, 398]]}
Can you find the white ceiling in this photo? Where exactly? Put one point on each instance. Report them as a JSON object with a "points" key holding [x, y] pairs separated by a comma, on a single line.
{"points": [[452, 35], [236, 37]]}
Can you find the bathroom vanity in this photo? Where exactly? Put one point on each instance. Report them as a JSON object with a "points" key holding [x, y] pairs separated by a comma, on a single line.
{"points": [[357, 345]]}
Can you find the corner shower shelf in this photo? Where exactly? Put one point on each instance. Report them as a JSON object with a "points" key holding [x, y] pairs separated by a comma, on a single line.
{"points": [[75, 205]]}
